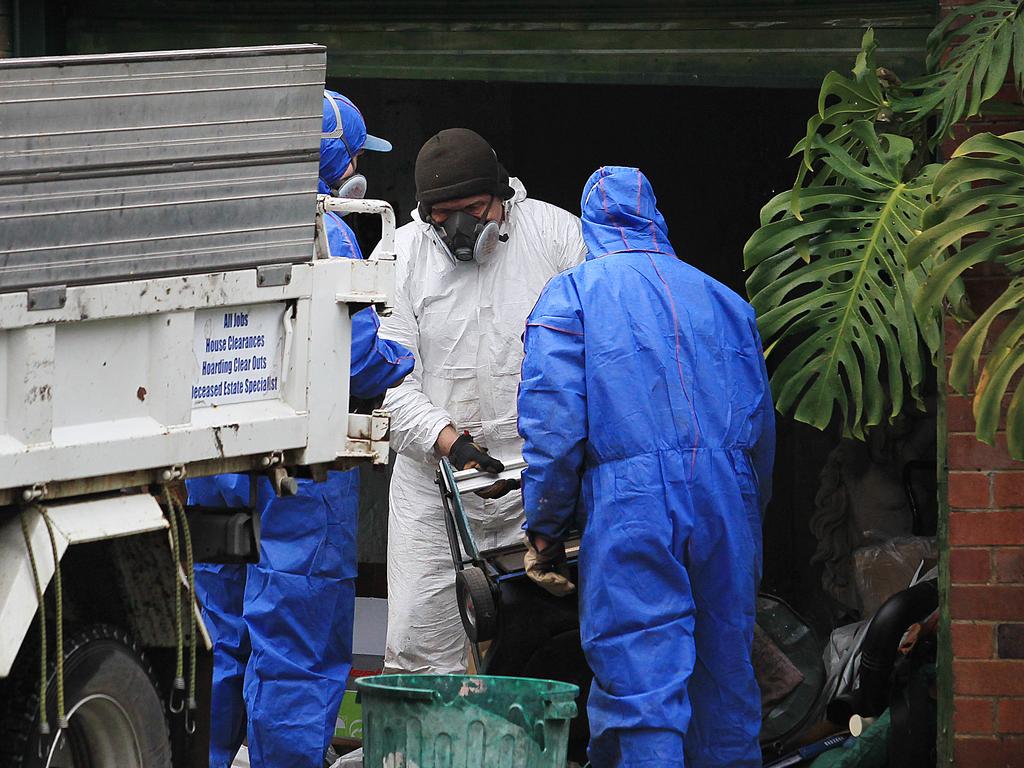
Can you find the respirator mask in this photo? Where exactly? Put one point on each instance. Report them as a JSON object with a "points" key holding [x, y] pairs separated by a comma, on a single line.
{"points": [[352, 188], [468, 238]]}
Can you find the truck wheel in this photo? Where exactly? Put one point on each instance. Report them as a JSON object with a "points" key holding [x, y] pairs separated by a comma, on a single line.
{"points": [[116, 717], [476, 604]]}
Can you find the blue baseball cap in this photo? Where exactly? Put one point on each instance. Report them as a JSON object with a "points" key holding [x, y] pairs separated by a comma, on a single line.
{"points": [[343, 135]]}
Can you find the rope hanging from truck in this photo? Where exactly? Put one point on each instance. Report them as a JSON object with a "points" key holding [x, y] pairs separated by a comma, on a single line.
{"points": [[179, 659], [183, 538], [186, 535], [62, 720]]}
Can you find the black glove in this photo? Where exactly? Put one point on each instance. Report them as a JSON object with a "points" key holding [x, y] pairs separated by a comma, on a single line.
{"points": [[465, 454], [499, 489]]}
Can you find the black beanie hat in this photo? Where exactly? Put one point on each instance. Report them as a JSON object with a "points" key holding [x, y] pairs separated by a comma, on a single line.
{"points": [[455, 163]]}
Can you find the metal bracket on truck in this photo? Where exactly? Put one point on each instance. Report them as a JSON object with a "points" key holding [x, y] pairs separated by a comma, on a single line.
{"points": [[369, 288]]}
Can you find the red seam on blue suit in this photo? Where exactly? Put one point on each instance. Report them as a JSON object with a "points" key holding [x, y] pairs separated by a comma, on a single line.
{"points": [[604, 204], [679, 367]]}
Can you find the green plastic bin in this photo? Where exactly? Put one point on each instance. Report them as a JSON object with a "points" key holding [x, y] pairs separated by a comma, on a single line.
{"points": [[465, 721]]}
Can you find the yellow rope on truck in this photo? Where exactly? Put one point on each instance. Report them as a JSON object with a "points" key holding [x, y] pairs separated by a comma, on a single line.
{"points": [[179, 662], [186, 534]]}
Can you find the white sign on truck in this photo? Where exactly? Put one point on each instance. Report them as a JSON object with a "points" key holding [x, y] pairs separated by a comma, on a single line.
{"points": [[238, 354]]}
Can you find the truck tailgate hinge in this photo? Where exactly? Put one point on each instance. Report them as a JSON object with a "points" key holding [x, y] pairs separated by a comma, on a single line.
{"points": [[34, 493]]}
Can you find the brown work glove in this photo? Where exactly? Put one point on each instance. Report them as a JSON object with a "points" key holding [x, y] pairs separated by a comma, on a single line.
{"points": [[547, 568]]}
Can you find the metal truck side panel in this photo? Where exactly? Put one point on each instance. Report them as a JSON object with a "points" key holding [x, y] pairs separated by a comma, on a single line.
{"points": [[137, 165]]}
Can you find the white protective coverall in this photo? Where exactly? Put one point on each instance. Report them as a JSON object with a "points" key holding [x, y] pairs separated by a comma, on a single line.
{"points": [[464, 323]]}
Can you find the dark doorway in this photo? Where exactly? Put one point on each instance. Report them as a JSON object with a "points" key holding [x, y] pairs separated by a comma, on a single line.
{"points": [[714, 155]]}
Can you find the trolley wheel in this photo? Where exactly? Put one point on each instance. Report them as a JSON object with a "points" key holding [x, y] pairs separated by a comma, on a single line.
{"points": [[477, 604]]}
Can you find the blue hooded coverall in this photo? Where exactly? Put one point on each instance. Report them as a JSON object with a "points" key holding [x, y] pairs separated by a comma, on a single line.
{"points": [[282, 629], [648, 423]]}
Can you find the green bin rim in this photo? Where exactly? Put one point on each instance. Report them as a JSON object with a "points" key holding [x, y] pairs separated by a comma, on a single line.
{"points": [[552, 690]]}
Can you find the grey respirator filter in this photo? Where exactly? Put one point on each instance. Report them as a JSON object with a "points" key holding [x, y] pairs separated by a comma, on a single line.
{"points": [[469, 238]]}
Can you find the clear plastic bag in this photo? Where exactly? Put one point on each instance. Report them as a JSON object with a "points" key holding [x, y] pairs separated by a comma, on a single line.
{"points": [[882, 570]]}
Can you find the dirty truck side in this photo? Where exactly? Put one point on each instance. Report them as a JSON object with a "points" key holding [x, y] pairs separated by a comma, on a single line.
{"points": [[163, 314]]}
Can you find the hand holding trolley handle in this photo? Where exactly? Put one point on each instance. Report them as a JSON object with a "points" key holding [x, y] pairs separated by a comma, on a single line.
{"points": [[465, 454]]}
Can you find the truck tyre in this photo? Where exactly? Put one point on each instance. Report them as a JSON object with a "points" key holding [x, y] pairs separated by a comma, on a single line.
{"points": [[116, 716]]}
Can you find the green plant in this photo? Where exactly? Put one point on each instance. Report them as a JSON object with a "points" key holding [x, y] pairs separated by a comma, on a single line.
{"points": [[978, 217], [851, 269]]}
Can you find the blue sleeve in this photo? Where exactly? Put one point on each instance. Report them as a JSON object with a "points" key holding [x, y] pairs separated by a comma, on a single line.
{"points": [[553, 410], [340, 238], [377, 364], [762, 453]]}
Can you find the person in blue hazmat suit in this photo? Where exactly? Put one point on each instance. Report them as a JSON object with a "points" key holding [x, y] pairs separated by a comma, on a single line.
{"points": [[282, 629], [648, 423]]}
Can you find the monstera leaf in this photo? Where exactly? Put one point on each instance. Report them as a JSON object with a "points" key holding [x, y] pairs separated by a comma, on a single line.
{"points": [[842, 102], [969, 53], [980, 218], [831, 286]]}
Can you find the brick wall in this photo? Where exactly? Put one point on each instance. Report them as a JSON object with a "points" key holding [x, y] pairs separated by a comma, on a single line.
{"points": [[985, 535], [986, 593]]}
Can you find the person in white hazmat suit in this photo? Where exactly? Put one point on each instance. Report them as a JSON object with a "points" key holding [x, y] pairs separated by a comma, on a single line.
{"points": [[470, 267]]}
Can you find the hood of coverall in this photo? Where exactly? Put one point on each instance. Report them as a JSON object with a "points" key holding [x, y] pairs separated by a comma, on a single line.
{"points": [[337, 152], [620, 214]]}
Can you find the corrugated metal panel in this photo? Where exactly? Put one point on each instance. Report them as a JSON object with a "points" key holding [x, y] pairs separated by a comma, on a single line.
{"points": [[734, 42], [132, 166]]}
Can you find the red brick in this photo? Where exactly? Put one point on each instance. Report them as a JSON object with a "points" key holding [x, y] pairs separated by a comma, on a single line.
{"points": [[986, 528], [983, 286], [973, 715], [1008, 489], [1011, 716], [991, 602], [988, 678], [969, 490], [959, 414], [966, 452], [972, 641], [1009, 565], [988, 752], [969, 566], [952, 332]]}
